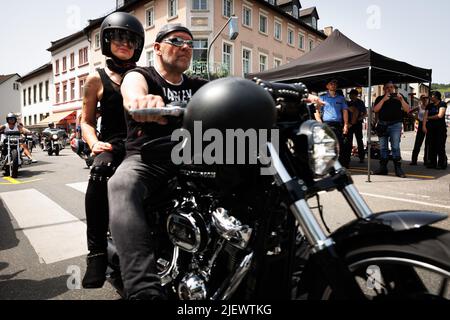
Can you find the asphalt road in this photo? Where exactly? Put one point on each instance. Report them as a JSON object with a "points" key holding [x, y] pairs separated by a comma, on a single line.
{"points": [[42, 220]]}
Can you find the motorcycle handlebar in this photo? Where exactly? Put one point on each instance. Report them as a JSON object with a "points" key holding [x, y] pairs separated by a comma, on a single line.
{"points": [[167, 111]]}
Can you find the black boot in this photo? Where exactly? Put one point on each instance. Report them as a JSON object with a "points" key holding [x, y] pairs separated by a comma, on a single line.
{"points": [[383, 170], [95, 276], [398, 168]]}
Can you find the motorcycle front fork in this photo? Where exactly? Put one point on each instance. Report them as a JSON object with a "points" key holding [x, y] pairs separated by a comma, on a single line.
{"points": [[324, 248]]}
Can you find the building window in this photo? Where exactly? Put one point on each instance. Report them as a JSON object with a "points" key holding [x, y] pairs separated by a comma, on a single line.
{"points": [[227, 8], [246, 62], [314, 23], [35, 93], [301, 41], [173, 8], [40, 92], [29, 95], [15, 86], [277, 62], [72, 61], [56, 67], [35, 119], [83, 57], [47, 97], [311, 45], [64, 92], [277, 31], [150, 17], [199, 4], [72, 90], [150, 58], [290, 37], [97, 43], [82, 83], [262, 62], [227, 54], [24, 97], [247, 16], [64, 61], [262, 24]]}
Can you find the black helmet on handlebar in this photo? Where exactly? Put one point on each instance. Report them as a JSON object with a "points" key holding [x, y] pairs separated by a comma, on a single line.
{"points": [[11, 116], [124, 26]]}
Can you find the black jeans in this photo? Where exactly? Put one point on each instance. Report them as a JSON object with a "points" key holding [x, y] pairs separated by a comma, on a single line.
{"points": [[420, 137], [132, 186], [437, 136], [344, 157], [96, 200]]}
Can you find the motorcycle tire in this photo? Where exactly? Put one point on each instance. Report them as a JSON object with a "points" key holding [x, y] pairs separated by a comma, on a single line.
{"points": [[14, 164], [410, 265], [50, 152], [57, 151]]}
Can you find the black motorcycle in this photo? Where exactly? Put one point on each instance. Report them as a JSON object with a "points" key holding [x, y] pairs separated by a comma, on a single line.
{"points": [[226, 231], [53, 141], [11, 158]]}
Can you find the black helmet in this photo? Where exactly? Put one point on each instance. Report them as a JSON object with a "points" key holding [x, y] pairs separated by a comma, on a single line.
{"points": [[11, 116], [51, 124], [122, 21], [231, 103]]}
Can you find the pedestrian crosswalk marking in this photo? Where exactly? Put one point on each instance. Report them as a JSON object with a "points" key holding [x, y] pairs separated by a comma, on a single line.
{"points": [[81, 186], [54, 233]]}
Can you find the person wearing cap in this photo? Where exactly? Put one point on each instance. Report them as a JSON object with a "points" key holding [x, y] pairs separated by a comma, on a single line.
{"points": [[436, 128], [357, 114], [335, 114], [390, 108], [135, 182], [122, 42]]}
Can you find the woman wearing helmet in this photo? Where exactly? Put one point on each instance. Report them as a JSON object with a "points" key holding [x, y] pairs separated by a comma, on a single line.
{"points": [[13, 125], [122, 41]]}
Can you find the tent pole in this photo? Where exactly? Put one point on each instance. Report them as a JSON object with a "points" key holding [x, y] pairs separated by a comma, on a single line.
{"points": [[369, 127]]}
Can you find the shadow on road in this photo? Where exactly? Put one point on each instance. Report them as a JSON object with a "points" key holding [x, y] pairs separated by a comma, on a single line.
{"points": [[8, 239], [32, 174], [24, 289]]}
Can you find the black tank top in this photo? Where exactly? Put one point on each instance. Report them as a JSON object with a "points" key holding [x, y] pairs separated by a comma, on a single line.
{"points": [[140, 133], [113, 124]]}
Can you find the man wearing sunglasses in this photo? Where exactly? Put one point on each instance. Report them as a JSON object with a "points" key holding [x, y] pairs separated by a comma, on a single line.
{"points": [[136, 182]]}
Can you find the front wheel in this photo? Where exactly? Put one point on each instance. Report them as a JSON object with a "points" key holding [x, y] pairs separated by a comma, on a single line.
{"points": [[57, 150], [405, 265], [14, 167]]}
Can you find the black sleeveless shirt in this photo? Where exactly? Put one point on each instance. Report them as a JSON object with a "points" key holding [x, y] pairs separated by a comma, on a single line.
{"points": [[140, 133], [113, 124]]}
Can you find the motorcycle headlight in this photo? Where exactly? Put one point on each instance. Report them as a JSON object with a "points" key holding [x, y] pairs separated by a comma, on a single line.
{"points": [[55, 137], [323, 146]]}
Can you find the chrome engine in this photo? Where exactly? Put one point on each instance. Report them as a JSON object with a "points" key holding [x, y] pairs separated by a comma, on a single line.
{"points": [[204, 237]]}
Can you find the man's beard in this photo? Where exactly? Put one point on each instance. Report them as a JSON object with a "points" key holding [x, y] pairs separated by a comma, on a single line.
{"points": [[175, 67]]}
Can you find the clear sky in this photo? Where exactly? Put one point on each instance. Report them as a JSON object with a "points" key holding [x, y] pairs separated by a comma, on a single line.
{"points": [[413, 31]]}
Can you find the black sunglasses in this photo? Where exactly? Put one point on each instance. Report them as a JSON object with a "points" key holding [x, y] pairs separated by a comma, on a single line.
{"points": [[125, 36], [179, 42]]}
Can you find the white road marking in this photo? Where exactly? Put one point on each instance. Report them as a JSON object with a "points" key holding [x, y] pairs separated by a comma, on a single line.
{"points": [[54, 233], [406, 200], [82, 186]]}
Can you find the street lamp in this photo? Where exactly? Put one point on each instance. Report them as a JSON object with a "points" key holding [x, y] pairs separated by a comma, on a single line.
{"points": [[234, 33]]}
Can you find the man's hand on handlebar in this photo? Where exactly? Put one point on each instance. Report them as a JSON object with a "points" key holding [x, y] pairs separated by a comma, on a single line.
{"points": [[147, 102]]}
